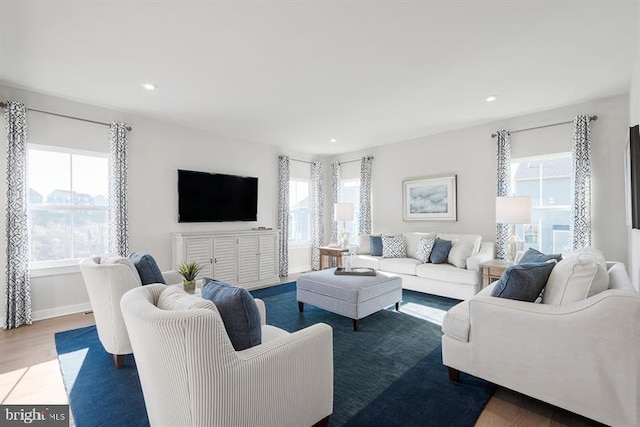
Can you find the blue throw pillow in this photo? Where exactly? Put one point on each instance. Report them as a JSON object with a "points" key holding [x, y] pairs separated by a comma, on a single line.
{"points": [[440, 251], [239, 313], [147, 268], [532, 255], [375, 243], [523, 282]]}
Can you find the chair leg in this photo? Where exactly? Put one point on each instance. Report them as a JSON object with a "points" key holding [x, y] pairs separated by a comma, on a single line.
{"points": [[454, 374], [118, 360], [323, 422]]}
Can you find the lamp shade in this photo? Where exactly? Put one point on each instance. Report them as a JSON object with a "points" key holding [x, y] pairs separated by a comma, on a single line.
{"points": [[513, 210], [343, 211]]}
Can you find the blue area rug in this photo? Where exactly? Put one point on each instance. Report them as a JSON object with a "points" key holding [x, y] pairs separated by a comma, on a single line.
{"points": [[389, 373]]}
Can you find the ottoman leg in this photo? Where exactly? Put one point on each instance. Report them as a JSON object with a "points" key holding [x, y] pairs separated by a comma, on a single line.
{"points": [[356, 325], [300, 306], [398, 306]]}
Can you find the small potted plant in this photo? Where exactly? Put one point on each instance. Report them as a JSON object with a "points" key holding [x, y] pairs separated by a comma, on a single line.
{"points": [[189, 271]]}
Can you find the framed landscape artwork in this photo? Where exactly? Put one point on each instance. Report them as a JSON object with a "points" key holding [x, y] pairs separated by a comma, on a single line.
{"points": [[430, 198]]}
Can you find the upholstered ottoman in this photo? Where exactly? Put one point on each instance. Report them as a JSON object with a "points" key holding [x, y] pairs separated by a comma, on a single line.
{"points": [[351, 296]]}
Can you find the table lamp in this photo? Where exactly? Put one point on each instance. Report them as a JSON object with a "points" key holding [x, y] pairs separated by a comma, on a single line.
{"points": [[343, 212], [513, 210]]}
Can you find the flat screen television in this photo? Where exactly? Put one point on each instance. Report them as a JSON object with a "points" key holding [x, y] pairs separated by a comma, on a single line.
{"points": [[216, 197], [634, 151]]}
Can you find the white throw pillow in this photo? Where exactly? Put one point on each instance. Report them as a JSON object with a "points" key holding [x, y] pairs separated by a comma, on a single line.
{"points": [[576, 278], [412, 239], [364, 246], [174, 298], [394, 247], [459, 253], [423, 251]]}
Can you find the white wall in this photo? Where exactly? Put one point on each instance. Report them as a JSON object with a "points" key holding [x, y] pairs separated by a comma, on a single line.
{"points": [[470, 154], [156, 150]]}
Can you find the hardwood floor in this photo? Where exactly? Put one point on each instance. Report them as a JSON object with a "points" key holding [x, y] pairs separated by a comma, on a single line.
{"points": [[29, 373]]}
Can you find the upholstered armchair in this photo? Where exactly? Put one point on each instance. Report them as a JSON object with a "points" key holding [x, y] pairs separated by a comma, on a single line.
{"points": [[582, 355], [191, 374], [107, 278]]}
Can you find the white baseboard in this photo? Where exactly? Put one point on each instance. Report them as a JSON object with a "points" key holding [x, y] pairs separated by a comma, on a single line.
{"points": [[61, 311]]}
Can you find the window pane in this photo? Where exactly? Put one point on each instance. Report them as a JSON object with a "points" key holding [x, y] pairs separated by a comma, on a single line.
{"points": [[50, 235], [350, 193], [547, 180], [90, 177], [49, 177], [90, 233], [299, 217]]}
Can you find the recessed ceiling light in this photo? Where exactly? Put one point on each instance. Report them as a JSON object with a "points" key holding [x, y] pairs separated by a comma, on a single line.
{"points": [[491, 98], [150, 86], [333, 140]]}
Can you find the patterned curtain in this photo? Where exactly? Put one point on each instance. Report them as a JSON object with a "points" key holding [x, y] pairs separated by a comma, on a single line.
{"points": [[336, 172], [118, 216], [317, 213], [283, 213], [581, 183], [18, 292], [364, 219], [504, 187]]}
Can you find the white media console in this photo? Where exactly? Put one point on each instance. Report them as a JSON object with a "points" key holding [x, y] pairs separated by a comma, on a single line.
{"points": [[243, 258]]}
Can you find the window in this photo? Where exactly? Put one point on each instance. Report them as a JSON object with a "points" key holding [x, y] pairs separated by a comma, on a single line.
{"points": [[68, 205], [299, 221], [350, 193], [548, 181]]}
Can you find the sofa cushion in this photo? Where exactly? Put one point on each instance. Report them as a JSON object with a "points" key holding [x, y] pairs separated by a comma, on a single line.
{"points": [[456, 322], [399, 265], [476, 239], [375, 244], [368, 261], [239, 313], [578, 276], [448, 273], [532, 255], [174, 298], [412, 240], [459, 253], [523, 282], [108, 259], [423, 251], [147, 268], [393, 247], [440, 251]]}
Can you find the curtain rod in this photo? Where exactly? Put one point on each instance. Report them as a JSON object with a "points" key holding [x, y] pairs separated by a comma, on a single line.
{"points": [[342, 163], [593, 118], [4, 104]]}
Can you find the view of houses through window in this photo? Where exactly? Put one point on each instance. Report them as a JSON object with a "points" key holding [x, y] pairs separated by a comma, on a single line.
{"points": [[299, 219], [350, 193], [67, 202], [548, 181]]}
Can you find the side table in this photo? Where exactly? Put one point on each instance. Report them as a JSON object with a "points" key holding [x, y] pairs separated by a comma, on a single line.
{"points": [[492, 270], [327, 251]]}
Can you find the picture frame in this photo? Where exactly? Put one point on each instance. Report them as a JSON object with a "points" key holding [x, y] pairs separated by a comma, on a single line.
{"points": [[430, 198]]}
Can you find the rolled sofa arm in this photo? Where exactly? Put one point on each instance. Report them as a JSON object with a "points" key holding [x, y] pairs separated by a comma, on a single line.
{"points": [[486, 253]]}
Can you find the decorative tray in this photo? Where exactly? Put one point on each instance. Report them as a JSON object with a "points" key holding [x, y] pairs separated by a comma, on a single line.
{"points": [[358, 271]]}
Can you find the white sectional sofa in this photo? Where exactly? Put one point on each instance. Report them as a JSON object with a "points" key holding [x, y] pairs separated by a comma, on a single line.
{"points": [[459, 282]]}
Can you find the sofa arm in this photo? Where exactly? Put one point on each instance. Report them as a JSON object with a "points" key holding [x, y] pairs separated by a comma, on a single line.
{"points": [[486, 253]]}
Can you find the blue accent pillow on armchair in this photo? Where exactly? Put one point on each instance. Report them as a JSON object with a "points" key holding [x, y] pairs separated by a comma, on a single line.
{"points": [[523, 282], [239, 313], [147, 268]]}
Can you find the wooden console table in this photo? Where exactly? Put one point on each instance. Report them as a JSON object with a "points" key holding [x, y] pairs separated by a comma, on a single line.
{"points": [[327, 251], [492, 270]]}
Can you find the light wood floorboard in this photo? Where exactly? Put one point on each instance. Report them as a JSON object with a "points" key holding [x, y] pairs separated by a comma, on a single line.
{"points": [[30, 373]]}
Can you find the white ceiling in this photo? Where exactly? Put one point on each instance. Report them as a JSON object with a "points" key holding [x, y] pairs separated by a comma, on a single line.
{"points": [[297, 73]]}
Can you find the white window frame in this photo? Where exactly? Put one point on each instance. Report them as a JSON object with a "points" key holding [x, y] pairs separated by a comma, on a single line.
{"points": [[63, 266]]}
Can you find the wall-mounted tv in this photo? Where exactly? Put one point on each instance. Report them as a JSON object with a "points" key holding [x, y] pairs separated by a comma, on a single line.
{"points": [[216, 197], [634, 151]]}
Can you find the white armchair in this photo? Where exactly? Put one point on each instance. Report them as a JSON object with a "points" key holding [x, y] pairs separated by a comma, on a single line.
{"points": [[107, 278], [192, 376], [582, 356]]}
